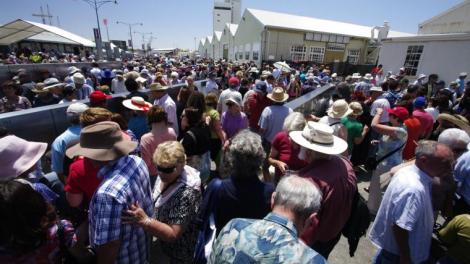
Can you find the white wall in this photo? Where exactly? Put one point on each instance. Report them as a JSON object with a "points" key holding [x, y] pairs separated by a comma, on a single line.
{"points": [[221, 17], [457, 20], [446, 58], [248, 32]]}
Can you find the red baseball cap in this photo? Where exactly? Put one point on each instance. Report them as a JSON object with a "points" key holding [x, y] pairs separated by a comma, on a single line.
{"points": [[400, 112], [233, 81], [98, 96]]}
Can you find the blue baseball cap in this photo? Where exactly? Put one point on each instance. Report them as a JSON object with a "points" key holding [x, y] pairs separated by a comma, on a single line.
{"points": [[420, 101]]}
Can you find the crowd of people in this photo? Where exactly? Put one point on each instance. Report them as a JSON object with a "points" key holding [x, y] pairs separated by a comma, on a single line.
{"points": [[229, 173], [27, 56]]}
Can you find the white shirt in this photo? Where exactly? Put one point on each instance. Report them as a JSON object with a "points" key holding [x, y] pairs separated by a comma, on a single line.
{"points": [[170, 108], [118, 86], [381, 103], [406, 203]]}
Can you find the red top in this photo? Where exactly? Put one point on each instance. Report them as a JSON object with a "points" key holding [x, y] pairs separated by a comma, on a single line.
{"points": [[256, 104], [82, 178], [413, 126], [426, 120], [288, 152], [336, 180]]}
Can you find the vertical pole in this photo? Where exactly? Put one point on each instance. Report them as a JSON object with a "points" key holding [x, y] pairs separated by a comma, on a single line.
{"points": [[132, 41], [99, 50], [107, 33]]}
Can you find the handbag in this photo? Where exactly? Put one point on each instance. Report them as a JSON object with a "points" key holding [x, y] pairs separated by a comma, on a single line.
{"points": [[372, 162], [207, 229]]}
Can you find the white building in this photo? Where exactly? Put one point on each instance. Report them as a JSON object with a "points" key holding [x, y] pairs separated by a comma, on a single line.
{"points": [[227, 41], [225, 11], [442, 46], [264, 35]]}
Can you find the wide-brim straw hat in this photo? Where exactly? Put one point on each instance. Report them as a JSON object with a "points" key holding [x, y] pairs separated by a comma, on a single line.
{"points": [[158, 87], [137, 103], [102, 141], [18, 155], [368, 76], [40, 88], [339, 109], [319, 137], [457, 120], [356, 108], [278, 95]]}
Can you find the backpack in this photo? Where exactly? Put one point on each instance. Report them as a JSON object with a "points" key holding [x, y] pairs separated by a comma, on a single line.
{"points": [[357, 224]]}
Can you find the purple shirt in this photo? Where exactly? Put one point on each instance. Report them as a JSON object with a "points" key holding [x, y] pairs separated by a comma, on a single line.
{"points": [[232, 124]]}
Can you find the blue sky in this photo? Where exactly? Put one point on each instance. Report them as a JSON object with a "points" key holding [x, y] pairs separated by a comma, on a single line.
{"points": [[177, 23]]}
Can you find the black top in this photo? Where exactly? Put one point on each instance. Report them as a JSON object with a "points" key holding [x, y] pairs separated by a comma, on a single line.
{"points": [[196, 140], [247, 198]]}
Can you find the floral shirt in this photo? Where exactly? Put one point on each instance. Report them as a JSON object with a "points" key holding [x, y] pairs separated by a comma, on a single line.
{"points": [[273, 239], [9, 106]]}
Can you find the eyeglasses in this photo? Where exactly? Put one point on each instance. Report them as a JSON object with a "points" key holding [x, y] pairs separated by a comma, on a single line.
{"points": [[166, 170]]}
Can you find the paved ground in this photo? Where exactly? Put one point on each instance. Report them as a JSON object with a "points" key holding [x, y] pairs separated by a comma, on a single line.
{"points": [[365, 250]]}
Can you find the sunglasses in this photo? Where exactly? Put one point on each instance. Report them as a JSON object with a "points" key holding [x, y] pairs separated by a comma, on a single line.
{"points": [[166, 170]]}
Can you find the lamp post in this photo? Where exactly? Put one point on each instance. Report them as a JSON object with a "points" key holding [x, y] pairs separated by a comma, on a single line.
{"points": [[96, 4], [143, 39], [130, 31]]}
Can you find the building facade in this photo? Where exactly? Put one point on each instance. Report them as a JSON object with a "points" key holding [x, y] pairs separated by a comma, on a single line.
{"points": [[225, 11]]}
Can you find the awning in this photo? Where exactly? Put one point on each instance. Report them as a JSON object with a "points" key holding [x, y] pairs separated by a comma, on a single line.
{"points": [[20, 29]]}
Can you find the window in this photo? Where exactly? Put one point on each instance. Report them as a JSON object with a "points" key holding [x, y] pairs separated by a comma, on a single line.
{"points": [[297, 53], [413, 55], [353, 56], [255, 55], [247, 55], [316, 54], [335, 46]]}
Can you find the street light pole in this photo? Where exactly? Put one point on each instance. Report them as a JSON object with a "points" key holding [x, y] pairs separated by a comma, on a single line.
{"points": [[130, 31], [143, 39], [96, 4]]}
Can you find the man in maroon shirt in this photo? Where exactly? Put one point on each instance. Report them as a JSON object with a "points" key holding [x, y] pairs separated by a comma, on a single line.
{"points": [[425, 118], [256, 104], [335, 177]]}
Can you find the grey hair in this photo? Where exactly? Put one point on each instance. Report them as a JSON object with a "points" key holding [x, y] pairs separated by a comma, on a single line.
{"points": [[426, 148], [246, 154], [453, 136], [299, 195], [295, 121]]}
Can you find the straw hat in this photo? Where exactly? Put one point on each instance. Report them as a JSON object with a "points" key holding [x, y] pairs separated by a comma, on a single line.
{"points": [[18, 155], [356, 108], [137, 103], [278, 95], [339, 109], [157, 87], [40, 88], [102, 141], [368, 76], [319, 137], [78, 78], [456, 120]]}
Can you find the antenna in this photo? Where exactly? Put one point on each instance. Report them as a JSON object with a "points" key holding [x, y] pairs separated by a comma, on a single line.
{"points": [[58, 21], [49, 14], [43, 16]]}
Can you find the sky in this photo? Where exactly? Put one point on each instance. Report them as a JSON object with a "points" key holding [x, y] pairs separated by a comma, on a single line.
{"points": [[176, 24]]}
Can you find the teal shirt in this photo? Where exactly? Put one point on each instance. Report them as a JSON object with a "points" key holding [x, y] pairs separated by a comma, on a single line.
{"points": [[271, 240], [354, 129]]}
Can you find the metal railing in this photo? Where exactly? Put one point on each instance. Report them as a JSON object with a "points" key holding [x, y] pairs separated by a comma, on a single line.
{"points": [[45, 123]]}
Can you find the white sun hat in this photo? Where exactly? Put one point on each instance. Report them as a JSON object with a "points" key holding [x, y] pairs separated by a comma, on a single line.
{"points": [[319, 137]]}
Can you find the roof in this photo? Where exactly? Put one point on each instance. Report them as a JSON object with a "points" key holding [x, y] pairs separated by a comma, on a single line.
{"points": [[20, 29], [431, 37], [232, 27], [209, 39], [446, 12], [218, 35], [295, 22]]}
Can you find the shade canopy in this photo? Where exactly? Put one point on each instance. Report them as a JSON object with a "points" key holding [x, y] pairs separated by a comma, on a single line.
{"points": [[20, 29]]}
